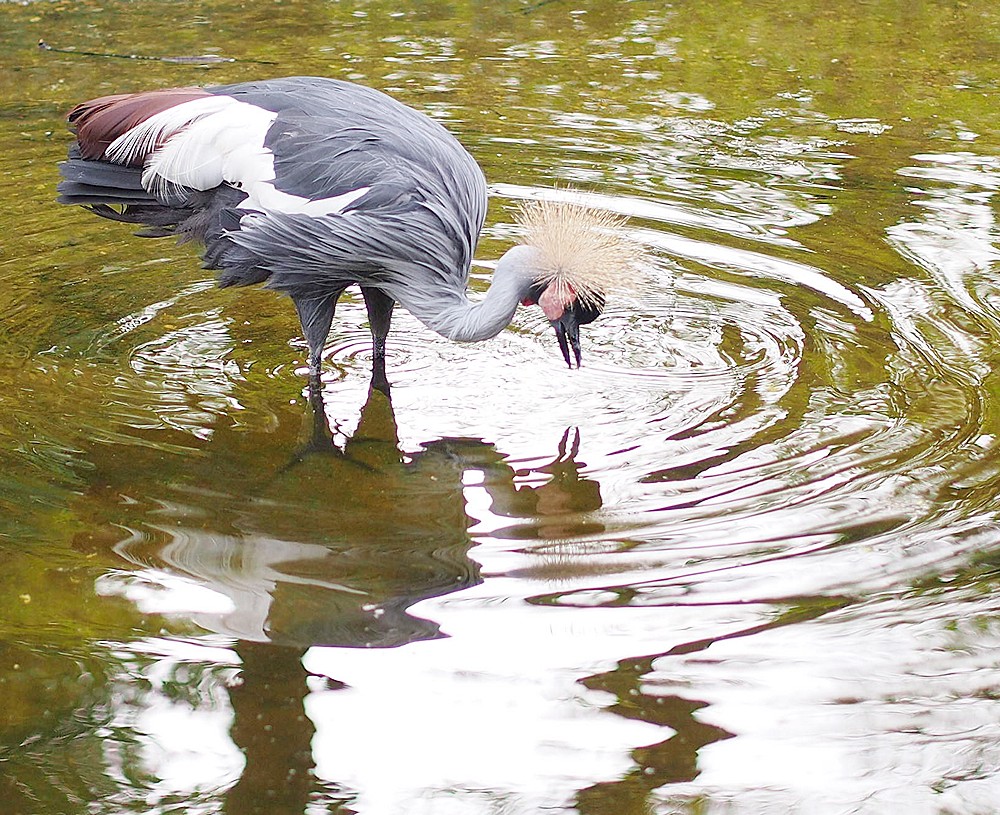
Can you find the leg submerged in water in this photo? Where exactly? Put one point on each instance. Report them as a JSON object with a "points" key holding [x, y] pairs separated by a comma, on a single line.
{"points": [[380, 307]]}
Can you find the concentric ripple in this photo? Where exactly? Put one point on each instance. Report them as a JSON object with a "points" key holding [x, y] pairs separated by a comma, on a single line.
{"points": [[755, 536], [771, 411]]}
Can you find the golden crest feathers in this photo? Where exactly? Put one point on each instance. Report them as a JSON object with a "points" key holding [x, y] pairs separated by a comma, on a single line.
{"points": [[581, 249]]}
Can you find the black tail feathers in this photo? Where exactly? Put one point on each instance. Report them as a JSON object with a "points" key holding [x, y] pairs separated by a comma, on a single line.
{"points": [[115, 192]]}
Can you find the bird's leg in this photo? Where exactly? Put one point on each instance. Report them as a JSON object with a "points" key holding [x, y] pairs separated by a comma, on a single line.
{"points": [[316, 315], [320, 431], [380, 307]]}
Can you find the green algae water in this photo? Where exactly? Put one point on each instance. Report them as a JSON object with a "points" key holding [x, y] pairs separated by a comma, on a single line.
{"points": [[744, 561]]}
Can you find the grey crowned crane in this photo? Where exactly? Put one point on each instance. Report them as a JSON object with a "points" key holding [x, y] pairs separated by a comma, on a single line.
{"points": [[312, 185]]}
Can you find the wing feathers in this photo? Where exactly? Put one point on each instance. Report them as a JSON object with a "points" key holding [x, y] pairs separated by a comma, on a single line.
{"points": [[100, 122], [184, 137], [208, 142]]}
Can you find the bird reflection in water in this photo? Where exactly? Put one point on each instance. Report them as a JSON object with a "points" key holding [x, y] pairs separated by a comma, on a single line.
{"points": [[270, 724], [555, 506], [330, 546], [271, 728], [409, 514]]}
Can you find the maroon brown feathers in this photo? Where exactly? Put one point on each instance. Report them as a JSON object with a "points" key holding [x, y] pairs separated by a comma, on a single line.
{"points": [[99, 122]]}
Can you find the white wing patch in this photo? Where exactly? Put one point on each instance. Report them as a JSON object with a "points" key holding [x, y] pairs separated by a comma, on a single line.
{"points": [[265, 198], [217, 140], [221, 140]]}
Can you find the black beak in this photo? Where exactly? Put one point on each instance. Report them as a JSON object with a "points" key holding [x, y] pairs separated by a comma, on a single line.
{"points": [[568, 333]]}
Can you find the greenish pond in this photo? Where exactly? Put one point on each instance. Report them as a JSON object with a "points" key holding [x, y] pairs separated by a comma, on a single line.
{"points": [[746, 560]]}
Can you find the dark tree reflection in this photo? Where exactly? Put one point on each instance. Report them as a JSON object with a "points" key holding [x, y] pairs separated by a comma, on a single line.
{"points": [[270, 726], [671, 761]]}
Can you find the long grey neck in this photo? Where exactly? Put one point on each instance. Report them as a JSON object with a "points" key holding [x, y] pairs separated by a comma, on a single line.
{"points": [[453, 315]]}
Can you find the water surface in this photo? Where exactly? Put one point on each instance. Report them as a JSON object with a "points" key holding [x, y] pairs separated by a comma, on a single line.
{"points": [[743, 561]]}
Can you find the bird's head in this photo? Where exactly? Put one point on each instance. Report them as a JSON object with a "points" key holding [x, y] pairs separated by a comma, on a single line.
{"points": [[566, 312], [580, 254]]}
